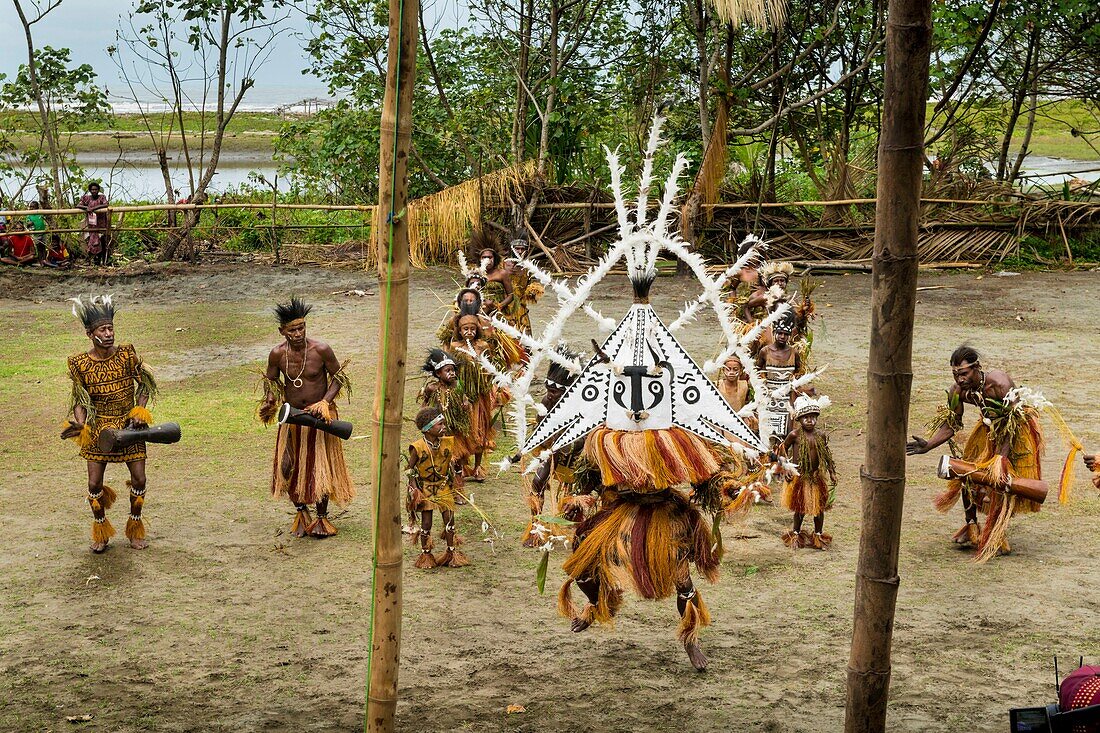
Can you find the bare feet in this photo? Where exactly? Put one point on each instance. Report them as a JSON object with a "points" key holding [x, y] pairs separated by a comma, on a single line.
{"points": [[138, 544], [792, 539], [98, 547], [967, 536], [582, 622], [696, 656]]}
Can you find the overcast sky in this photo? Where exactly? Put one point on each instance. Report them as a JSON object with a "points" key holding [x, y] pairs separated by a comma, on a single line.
{"points": [[87, 34]]}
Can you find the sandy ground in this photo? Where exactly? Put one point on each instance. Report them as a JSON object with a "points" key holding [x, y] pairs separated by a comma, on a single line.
{"points": [[228, 623]]}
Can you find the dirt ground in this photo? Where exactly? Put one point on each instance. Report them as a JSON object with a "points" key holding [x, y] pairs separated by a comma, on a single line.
{"points": [[226, 623]]}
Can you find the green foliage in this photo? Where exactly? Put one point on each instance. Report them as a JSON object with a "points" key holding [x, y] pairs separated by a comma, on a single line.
{"points": [[333, 154], [70, 98], [70, 93]]}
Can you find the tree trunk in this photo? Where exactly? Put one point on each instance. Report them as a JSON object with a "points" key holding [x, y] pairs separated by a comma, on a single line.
{"points": [[391, 228], [223, 117], [43, 111], [1033, 105], [519, 122], [700, 21], [1018, 97], [552, 91], [166, 175], [889, 373]]}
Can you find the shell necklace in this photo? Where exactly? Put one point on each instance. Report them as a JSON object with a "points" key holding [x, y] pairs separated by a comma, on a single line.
{"points": [[296, 381]]}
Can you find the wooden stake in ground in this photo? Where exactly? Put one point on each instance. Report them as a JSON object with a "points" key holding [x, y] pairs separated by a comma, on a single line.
{"points": [[391, 233], [889, 373]]}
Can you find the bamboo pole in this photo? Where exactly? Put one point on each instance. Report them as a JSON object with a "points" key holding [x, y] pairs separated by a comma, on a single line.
{"points": [[392, 228], [889, 372]]}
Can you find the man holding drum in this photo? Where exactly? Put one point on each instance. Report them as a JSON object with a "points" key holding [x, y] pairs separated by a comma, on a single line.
{"points": [[1005, 444], [309, 466], [111, 390]]}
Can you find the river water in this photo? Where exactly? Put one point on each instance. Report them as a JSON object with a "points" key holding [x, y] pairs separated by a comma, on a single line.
{"points": [[137, 177]]}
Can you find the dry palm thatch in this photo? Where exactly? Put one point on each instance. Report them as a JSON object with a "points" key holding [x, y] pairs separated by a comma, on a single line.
{"points": [[759, 13], [713, 169], [439, 224]]}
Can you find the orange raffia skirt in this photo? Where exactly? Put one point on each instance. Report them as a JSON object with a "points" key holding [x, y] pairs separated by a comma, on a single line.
{"points": [[309, 466], [1024, 460]]}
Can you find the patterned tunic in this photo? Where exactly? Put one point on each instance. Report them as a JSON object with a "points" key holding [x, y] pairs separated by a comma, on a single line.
{"points": [[110, 384], [432, 468]]}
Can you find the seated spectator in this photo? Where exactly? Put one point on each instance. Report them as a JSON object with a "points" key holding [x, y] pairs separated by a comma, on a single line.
{"points": [[18, 246], [56, 255]]}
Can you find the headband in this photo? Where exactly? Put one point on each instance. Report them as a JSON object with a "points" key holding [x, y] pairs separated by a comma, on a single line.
{"points": [[431, 424], [295, 322]]}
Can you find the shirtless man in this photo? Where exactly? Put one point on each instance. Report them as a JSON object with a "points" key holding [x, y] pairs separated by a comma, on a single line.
{"points": [[309, 465], [1007, 432]]}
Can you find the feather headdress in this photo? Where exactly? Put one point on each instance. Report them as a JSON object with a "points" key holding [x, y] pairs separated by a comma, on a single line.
{"points": [[806, 405], [437, 359], [641, 402], [295, 310], [772, 270], [98, 309]]}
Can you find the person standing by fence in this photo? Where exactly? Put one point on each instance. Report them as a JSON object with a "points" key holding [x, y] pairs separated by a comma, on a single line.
{"points": [[36, 223], [96, 222]]}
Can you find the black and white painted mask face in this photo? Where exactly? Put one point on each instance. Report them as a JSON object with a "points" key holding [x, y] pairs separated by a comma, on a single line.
{"points": [[642, 380]]}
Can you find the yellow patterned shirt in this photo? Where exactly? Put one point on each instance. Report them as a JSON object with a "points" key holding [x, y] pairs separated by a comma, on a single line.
{"points": [[111, 385]]}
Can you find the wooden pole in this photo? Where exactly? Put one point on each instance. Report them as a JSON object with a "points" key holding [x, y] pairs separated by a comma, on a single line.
{"points": [[392, 237], [889, 373]]}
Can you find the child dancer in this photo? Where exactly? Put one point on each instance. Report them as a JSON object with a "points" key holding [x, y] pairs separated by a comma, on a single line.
{"points": [[434, 475], [812, 491]]}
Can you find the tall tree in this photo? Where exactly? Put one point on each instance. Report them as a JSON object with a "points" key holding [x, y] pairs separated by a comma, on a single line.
{"points": [[226, 41], [70, 97], [27, 20]]}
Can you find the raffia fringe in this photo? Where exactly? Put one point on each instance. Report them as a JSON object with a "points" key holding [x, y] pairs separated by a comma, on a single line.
{"points": [[140, 414], [696, 616], [650, 459], [566, 607], [135, 529], [102, 531], [995, 531], [425, 561], [1065, 481], [454, 559], [301, 522], [106, 499], [321, 527]]}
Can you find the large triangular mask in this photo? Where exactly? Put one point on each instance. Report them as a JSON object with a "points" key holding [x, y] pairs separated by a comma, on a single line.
{"points": [[642, 380]]}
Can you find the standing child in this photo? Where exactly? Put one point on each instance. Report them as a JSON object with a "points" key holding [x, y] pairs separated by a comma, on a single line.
{"points": [[37, 224], [434, 475], [812, 491]]}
